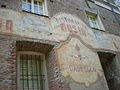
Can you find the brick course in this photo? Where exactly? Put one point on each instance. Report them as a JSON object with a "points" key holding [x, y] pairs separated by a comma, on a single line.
{"points": [[7, 64]]}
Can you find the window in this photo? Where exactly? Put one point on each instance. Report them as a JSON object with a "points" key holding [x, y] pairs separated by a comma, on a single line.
{"points": [[31, 72], [34, 6], [110, 68], [94, 21], [117, 2]]}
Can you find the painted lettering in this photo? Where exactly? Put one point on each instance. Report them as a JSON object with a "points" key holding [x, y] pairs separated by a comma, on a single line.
{"points": [[81, 68], [63, 27], [9, 25], [1, 23], [69, 28]]}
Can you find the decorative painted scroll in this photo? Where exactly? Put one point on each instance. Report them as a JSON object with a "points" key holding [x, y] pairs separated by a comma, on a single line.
{"points": [[79, 62], [66, 24]]}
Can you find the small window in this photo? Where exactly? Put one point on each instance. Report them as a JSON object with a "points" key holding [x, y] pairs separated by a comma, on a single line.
{"points": [[94, 21], [31, 72], [117, 2], [34, 6]]}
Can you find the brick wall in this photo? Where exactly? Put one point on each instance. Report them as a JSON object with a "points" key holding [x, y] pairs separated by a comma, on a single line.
{"points": [[54, 76], [7, 64], [77, 8], [109, 22], [11, 4]]}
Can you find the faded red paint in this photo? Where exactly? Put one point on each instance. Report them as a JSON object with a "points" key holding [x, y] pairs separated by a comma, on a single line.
{"points": [[1, 56], [63, 27], [73, 29], [6, 24], [0, 23], [68, 27], [77, 47], [9, 25], [10, 59]]}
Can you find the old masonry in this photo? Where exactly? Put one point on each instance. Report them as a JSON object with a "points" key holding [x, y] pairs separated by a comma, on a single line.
{"points": [[59, 45]]}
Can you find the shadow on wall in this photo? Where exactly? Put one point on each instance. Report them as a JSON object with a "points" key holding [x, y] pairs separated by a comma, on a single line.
{"points": [[110, 68]]}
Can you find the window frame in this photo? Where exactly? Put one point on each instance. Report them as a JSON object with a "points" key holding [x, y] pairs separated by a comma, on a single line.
{"points": [[117, 3], [92, 19], [44, 68], [44, 6], [98, 20]]}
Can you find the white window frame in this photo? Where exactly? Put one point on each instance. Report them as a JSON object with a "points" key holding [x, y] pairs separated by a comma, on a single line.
{"points": [[117, 3], [107, 7], [44, 6], [44, 68], [98, 21]]}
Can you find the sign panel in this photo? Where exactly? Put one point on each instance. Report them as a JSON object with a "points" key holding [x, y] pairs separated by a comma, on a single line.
{"points": [[68, 25], [59, 28], [24, 24], [79, 62]]}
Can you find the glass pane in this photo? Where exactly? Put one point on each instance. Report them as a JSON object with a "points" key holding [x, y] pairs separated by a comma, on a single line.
{"points": [[35, 2], [29, 1], [36, 8], [40, 3], [93, 21], [40, 8], [28, 6], [24, 5]]}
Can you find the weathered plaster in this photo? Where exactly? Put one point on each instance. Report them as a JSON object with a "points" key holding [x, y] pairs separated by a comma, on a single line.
{"points": [[67, 24], [76, 58], [79, 62], [56, 29]]}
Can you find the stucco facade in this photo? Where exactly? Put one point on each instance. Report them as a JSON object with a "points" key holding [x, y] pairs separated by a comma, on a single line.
{"points": [[77, 56]]}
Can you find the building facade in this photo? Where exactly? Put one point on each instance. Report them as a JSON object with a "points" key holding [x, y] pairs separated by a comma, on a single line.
{"points": [[59, 44]]}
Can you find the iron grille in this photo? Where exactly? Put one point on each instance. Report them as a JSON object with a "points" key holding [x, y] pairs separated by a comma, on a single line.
{"points": [[31, 77]]}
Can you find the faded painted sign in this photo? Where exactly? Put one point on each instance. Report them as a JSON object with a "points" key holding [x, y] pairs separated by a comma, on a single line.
{"points": [[79, 62], [102, 41], [66, 24], [115, 41], [24, 24], [59, 28], [6, 25]]}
